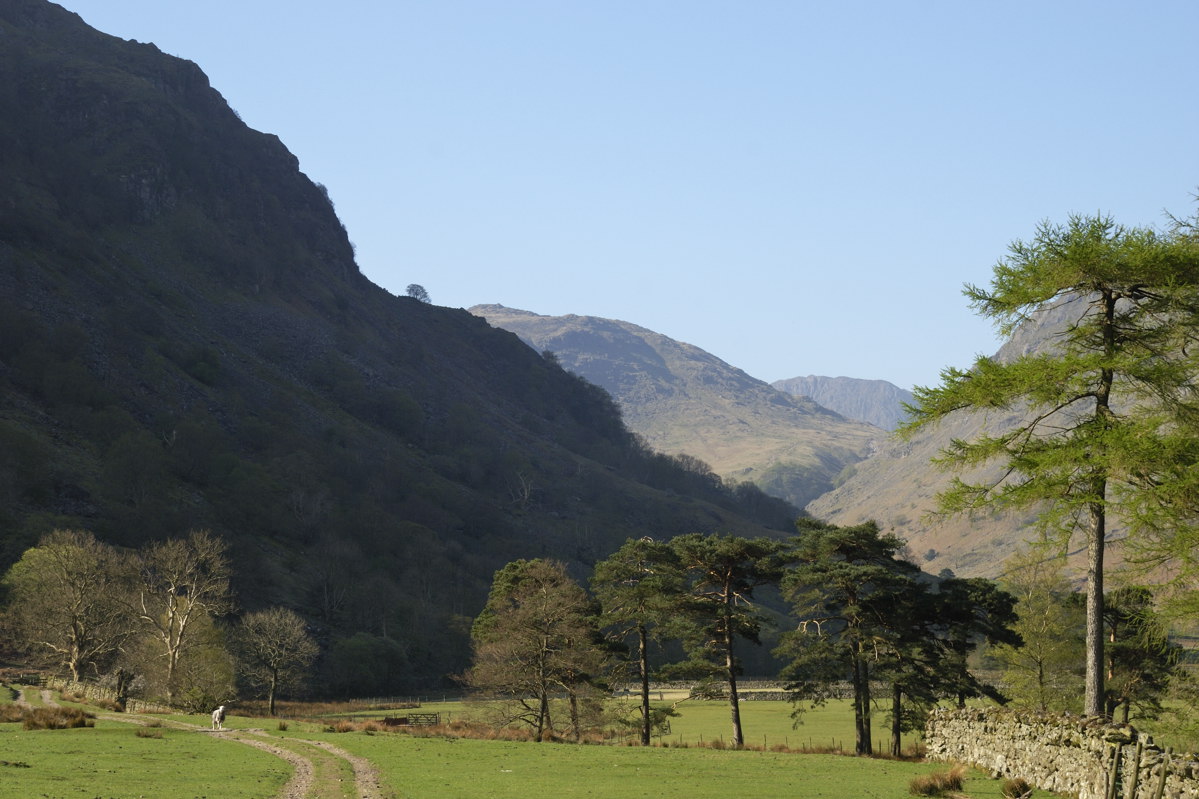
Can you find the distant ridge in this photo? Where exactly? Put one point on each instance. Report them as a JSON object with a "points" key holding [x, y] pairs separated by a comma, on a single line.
{"points": [[682, 399], [875, 401]]}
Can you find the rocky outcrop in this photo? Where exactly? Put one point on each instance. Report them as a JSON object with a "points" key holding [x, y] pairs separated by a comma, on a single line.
{"points": [[1063, 753], [876, 402]]}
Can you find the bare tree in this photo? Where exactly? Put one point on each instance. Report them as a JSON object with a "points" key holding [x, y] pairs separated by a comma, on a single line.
{"points": [[181, 581], [274, 650]]}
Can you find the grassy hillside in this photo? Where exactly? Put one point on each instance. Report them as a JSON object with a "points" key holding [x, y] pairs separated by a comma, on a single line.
{"points": [[684, 400]]}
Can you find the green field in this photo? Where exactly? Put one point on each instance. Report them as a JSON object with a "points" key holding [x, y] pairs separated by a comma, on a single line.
{"points": [[436, 768], [110, 761]]}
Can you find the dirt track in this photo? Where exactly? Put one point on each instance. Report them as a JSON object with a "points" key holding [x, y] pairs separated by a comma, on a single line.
{"points": [[317, 765]]}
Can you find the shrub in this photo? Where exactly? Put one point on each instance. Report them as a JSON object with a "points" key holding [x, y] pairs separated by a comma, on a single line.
{"points": [[1016, 788], [57, 718], [11, 713], [939, 783]]}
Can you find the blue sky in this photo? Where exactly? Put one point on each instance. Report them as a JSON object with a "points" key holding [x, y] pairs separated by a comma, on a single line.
{"points": [[796, 187]]}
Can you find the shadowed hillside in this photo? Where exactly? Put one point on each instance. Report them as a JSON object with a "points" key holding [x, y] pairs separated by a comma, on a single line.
{"points": [[682, 399], [186, 342]]}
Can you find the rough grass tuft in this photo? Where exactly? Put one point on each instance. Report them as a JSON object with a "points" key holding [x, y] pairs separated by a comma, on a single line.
{"points": [[57, 718], [939, 783], [146, 732], [1016, 788]]}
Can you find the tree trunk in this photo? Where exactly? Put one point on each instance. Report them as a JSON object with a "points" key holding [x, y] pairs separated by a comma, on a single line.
{"points": [[576, 727], [730, 666], [896, 720], [1093, 701], [861, 702], [274, 683], [643, 666], [543, 716]]}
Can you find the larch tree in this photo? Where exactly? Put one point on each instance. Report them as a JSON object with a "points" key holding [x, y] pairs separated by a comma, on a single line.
{"points": [[640, 589], [1101, 407], [1046, 672], [722, 573]]}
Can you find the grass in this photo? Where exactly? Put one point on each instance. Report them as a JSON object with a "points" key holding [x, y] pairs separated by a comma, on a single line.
{"points": [[433, 768], [111, 761], [424, 768], [119, 761], [765, 724]]}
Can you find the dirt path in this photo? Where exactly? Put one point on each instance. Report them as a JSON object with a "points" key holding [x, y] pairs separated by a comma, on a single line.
{"points": [[368, 783], [320, 770]]}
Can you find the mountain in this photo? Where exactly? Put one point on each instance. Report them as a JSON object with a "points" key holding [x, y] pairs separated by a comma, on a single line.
{"points": [[876, 402], [681, 399], [898, 485], [186, 342]]}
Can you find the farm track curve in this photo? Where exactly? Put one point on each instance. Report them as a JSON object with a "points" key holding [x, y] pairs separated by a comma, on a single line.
{"points": [[317, 765]]}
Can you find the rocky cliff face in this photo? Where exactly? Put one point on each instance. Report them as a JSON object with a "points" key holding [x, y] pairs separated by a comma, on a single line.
{"points": [[682, 399], [876, 402]]}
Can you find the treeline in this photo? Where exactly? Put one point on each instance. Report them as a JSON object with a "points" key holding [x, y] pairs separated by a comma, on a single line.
{"points": [[153, 622], [858, 614]]}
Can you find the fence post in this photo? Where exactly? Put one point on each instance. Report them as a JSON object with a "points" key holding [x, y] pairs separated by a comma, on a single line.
{"points": [[1136, 771], [1161, 779], [1113, 776]]}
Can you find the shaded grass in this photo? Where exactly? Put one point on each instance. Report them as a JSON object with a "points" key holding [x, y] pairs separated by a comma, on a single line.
{"points": [[111, 761], [766, 724]]}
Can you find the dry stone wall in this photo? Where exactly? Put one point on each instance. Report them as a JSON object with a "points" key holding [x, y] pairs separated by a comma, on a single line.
{"points": [[1063, 753]]}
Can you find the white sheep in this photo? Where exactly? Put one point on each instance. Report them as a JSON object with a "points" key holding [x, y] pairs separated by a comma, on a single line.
{"points": [[218, 718]]}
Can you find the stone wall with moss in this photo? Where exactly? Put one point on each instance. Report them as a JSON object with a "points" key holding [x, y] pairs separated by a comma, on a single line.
{"points": [[1062, 752]]}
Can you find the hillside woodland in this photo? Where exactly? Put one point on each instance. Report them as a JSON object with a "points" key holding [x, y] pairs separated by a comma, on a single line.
{"points": [[187, 343], [681, 399]]}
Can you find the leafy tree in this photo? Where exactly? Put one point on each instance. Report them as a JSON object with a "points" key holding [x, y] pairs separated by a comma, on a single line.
{"points": [[853, 602], [275, 651], [65, 597], [1045, 672], [640, 589], [417, 292], [1100, 406], [722, 573], [181, 582], [1141, 659], [535, 636]]}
